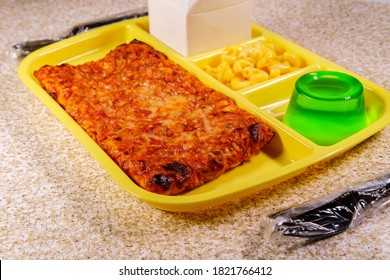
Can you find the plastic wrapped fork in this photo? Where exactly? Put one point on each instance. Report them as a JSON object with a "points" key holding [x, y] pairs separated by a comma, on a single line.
{"points": [[328, 216], [22, 49]]}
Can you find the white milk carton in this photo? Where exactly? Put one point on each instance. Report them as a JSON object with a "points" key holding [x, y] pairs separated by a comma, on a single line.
{"points": [[191, 27]]}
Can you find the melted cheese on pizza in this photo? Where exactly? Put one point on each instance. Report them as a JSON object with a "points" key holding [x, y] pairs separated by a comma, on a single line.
{"points": [[169, 132]]}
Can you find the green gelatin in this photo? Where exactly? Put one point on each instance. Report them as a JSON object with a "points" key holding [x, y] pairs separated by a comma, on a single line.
{"points": [[326, 107]]}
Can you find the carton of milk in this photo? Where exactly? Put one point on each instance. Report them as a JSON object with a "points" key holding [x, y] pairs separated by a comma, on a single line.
{"points": [[191, 27]]}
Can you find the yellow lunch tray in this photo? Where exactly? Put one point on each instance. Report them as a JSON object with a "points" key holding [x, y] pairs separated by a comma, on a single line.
{"points": [[288, 154]]}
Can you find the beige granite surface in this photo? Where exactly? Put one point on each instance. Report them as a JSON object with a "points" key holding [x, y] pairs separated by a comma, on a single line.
{"points": [[57, 202]]}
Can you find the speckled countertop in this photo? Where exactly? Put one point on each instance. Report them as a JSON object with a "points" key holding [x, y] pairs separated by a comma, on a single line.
{"points": [[57, 202]]}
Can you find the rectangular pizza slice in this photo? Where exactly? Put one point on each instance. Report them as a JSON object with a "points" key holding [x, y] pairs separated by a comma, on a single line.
{"points": [[165, 129]]}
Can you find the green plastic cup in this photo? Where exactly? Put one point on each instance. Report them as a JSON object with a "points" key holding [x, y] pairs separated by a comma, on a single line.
{"points": [[326, 107]]}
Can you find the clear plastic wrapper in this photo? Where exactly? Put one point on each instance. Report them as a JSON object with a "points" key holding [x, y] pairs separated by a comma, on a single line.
{"points": [[329, 215], [22, 49]]}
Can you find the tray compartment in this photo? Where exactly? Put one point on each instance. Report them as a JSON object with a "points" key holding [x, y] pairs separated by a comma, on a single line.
{"points": [[273, 98], [209, 62]]}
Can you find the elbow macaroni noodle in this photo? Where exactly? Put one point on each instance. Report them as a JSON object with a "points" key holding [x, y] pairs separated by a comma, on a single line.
{"points": [[245, 65]]}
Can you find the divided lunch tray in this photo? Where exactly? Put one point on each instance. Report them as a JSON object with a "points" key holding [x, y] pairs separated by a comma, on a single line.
{"points": [[288, 154]]}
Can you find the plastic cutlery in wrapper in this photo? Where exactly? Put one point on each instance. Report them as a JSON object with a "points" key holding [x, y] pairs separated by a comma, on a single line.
{"points": [[22, 49], [330, 215]]}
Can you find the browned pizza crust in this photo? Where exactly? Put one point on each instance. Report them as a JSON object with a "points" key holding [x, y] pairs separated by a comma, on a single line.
{"points": [[169, 132]]}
